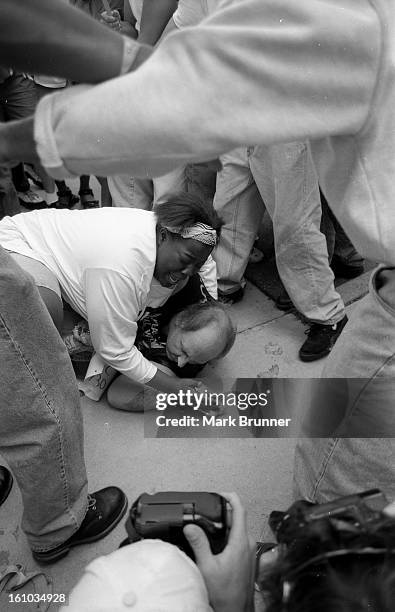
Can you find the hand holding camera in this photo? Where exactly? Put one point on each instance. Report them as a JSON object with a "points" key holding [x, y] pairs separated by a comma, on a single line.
{"points": [[229, 576], [211, 529]]}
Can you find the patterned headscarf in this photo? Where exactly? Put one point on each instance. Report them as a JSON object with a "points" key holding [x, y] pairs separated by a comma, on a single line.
{"points": [[200, 232]]}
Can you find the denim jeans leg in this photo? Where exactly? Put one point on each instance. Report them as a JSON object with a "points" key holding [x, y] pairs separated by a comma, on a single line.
{"points": [[327, 228], [9, 203], [129, 192], [338, 242], [326, 468], [286, 178], [170, 183], [238, 203], [41, 435], [19, 98]]}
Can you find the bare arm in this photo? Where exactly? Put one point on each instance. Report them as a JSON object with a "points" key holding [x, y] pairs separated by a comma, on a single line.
{"points": [[154, 19], [51, 37]]}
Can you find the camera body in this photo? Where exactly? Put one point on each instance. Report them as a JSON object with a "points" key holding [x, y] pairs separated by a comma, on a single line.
{"points": [[349, 515], [163, 515]]}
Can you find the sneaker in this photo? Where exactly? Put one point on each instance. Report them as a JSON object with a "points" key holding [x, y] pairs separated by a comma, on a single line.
{"points": [[105, 509], [344, 269], [66, 199], [88, 199], [231, 298], [31, 200], [320, 340]]}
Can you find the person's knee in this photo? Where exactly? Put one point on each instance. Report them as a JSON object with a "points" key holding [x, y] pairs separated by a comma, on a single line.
{"points": [[13, 278]]}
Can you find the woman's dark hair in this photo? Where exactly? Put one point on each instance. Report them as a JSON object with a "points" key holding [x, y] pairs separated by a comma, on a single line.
{"points": [[198, 316], [354, 582], [184, 209]]}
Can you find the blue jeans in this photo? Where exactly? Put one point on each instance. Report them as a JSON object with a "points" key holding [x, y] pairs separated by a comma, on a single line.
{"points": [[17, 101], [9, 203], [327, 468], [282, 178], [131, 192], [41, 434]]}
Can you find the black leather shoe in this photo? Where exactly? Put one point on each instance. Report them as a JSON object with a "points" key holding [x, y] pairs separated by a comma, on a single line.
{"points": [[105, 509], [342, 269], [66, 199], [321, 340], [231, 298], [6, 481]]}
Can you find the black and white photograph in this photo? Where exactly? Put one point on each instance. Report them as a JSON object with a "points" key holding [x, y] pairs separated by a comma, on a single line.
{"points": [[197, 305]]}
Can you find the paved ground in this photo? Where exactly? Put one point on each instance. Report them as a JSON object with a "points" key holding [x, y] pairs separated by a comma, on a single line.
{"points": [[117, 452]]}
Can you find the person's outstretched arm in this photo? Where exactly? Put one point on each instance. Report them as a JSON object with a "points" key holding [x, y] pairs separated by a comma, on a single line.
{"points": [[253, 72], [51, 37]]}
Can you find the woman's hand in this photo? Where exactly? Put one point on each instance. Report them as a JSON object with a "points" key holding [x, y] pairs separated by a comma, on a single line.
{"points": [[229, 576], [173, 384], [112, 20]]}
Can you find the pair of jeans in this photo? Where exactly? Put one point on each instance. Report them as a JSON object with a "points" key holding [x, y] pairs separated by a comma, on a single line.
{"points": [[41, 434], [281, 178], [337, 241], [365, 352], [144, 193], [18, 100], [9, 203]]}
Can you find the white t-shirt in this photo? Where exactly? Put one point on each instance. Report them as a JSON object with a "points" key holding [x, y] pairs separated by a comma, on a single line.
{"points": [[104, 260]]}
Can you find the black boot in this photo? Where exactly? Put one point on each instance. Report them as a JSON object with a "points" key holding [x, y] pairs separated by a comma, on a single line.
{"points": [[105, 509]]}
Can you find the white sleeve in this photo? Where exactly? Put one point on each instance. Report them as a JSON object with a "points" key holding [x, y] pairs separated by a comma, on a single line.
{"points": [[208, 274], [113, 304], [252, 73]]}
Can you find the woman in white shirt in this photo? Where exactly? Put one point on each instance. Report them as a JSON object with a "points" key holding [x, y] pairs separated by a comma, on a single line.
{"points": [[110, 264]]}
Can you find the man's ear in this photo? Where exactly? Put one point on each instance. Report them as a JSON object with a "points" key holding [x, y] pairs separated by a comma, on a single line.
{"points": [[163, 235]]}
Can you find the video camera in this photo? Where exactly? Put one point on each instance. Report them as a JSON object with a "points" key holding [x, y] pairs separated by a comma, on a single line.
{"points": [[163, 515]]}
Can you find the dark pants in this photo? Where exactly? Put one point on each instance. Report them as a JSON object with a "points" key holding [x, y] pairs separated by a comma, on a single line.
{"points": [[18, 99]]}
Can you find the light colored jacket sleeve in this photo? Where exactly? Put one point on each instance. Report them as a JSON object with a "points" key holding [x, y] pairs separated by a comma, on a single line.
{"points": [[190, 13], [113, 304], [253, 73]]}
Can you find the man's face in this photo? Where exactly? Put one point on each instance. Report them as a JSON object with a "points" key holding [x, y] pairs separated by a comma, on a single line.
{"points": [[178, 258], [195, 347]]}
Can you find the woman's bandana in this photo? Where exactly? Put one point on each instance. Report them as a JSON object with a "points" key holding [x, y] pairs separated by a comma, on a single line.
{"points": [[200, 232]]}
